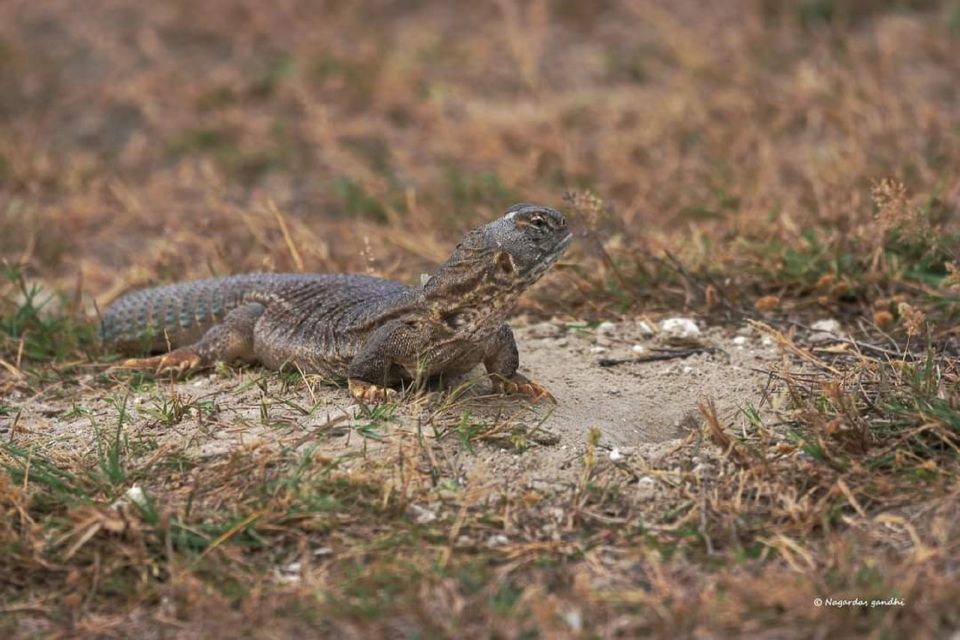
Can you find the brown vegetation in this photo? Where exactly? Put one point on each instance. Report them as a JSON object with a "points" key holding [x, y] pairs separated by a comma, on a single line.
{"points": [[743, 160]]}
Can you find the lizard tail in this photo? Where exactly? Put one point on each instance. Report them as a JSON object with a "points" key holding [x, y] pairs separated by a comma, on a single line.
{"points": [[174, 315]]}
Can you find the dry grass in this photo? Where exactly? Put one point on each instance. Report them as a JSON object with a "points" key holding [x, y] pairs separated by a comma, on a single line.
{"points": [[742, 160]]}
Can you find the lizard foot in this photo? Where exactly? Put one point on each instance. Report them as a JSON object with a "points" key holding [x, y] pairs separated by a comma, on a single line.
{"points": [[371, 393], [519, 384], [178, 361]]}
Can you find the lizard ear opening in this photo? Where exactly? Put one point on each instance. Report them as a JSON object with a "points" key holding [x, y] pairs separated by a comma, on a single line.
{"points": [[504, 262]]}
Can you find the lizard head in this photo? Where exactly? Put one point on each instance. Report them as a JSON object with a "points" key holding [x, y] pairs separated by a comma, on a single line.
{"points": [[525, 242], [496, 262]]}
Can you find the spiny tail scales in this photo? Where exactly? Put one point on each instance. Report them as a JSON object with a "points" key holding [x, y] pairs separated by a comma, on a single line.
{"points": [[176, 314]]}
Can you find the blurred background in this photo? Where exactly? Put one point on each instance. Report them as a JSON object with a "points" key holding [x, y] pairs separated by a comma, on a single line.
{"points": [[717, 153]]}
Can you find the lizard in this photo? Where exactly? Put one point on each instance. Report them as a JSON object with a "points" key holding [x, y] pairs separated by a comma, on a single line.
{"points": [[372, 332]]}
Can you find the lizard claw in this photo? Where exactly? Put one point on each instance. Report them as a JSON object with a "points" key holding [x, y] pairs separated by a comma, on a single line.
{"points": [[370, 393], [178, 362], [519, 384]]}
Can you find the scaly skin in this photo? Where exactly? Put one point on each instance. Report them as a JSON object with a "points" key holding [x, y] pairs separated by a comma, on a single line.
{"points": [[375, 333]]}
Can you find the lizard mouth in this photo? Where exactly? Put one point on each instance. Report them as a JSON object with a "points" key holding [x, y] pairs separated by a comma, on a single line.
{"points": [[541, 266], [559, 249]]}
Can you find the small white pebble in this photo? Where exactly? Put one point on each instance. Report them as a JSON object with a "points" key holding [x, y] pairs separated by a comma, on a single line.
{"points": [[497, 540], [289, 574], [136, 495], [574, 619], [828, 325], [639, 348], [740, 340], [687, 369], [646, 482], [598, 349], [680, 327], [645, 329], [422, 515], [606, 327], [615, 455], [766, 341]]}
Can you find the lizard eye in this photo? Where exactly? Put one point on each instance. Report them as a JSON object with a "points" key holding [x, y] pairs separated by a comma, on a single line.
{"points": [[538, 222]]}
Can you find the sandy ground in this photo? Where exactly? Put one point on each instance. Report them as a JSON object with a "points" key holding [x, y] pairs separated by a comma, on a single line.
{"points": [[637, 406]]}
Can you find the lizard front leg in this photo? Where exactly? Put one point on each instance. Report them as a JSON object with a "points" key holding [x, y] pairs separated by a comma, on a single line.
{"points": [[373, 369], [501, 362], [228, 341]]}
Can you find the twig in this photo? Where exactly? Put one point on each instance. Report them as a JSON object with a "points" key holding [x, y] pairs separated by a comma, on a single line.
{"points": [[657, 357], [232, 531], [787, 344], [794, 376], [14, 371], [860, 345], [291, 246]]}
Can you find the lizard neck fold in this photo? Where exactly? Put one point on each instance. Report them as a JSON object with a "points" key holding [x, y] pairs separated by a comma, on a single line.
{"points": [[471, 279]]}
